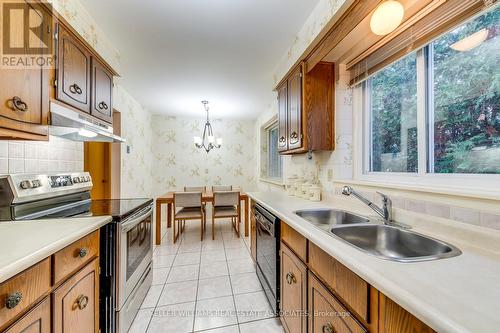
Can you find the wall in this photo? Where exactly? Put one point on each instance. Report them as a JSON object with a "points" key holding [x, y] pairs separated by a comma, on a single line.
{"points": [[334, 169], [55, 155], [177, 162]]}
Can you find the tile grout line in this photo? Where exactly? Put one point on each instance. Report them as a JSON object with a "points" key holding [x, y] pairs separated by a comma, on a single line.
{"points": [[232, 290], [197, 289]]}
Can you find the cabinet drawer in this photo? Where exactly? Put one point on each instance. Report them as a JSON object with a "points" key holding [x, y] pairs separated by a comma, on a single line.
{"points": [[75, 256], [37, 320], [293, 292], [20, 292], [295, 241], [352, 289], [76, 302], [327, 314]]}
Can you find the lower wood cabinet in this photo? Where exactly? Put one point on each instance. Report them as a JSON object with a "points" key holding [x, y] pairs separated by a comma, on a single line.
{"points": [[37, 320], [76, 302], [320, 295], [293, 292], [327, 314]]}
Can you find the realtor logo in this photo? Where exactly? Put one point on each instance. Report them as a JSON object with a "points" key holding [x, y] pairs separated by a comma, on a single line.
{"points": [[26, 35]]}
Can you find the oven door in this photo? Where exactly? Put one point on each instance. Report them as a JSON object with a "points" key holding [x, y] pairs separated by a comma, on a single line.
{"points": [[135, 252], [267, 253]]}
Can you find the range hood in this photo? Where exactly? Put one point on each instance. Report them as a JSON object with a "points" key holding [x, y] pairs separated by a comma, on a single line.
{"points": [[74, 126]]}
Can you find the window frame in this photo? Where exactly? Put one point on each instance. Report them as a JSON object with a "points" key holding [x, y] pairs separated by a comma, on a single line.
{"points": [[266, 130], [478, 185]]}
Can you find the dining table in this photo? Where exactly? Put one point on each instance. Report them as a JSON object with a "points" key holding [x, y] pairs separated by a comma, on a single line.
{"points": [[206, 197]]}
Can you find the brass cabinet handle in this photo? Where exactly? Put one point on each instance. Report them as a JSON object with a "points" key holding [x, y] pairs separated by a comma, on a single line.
{"points": [[13, 300], [282, 139], [18, 104], [328, 328], [290, 278], [75, 89], [103, 106], [82, 252], [82, 302], [294, 135]]}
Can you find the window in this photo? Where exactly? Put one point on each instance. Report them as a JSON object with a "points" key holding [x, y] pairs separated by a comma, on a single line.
{"points": [[274, 169], [437, 111]]}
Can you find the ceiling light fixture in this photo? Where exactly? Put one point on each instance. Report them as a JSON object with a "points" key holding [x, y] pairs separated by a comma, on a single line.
{"points": [[387, 17], [471, 41], [208, 141]]}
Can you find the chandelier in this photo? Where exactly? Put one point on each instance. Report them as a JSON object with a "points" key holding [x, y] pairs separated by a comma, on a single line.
{"points": [[208, 142]]}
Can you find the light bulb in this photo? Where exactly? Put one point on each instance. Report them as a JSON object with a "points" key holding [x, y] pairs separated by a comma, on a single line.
{"points": [[387, 17], [219, 141], [211, 139], [197, 140]]}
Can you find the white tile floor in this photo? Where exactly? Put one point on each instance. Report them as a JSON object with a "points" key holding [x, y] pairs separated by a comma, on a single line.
{"points": [[208, 286]]}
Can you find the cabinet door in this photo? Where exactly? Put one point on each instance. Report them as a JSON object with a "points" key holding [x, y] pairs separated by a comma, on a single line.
{"points": [[102, 92], [395, 319], [253, 237], [295, 109], [327, 315], [293, 292], [76, 302], [283, 117], [73, 71], [37, 320], [24, 89]]}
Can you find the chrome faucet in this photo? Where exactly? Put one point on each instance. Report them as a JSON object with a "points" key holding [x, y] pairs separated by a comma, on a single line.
{"points": [[385, 212]]}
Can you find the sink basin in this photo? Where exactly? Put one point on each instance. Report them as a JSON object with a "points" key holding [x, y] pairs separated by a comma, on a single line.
{"points": [[395, 244], [327, 218]]}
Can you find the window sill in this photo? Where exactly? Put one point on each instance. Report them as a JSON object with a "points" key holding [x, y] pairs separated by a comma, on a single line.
{"points": [[277, 182], [448, 190]]}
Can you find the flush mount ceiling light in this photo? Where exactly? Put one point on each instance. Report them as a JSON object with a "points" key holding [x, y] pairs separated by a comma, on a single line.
{"points": [[208, 141], [471, 41], [387, 17]]}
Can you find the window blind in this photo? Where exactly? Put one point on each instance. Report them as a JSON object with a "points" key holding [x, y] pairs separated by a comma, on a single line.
{"points": [[434, 20]]}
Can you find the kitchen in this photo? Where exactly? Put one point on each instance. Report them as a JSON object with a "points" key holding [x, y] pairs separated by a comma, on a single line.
{"points": [[175, 167]]}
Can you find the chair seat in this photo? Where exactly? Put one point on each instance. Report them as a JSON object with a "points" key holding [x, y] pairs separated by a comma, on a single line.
{"points": [[225, 211], [189, 213]]}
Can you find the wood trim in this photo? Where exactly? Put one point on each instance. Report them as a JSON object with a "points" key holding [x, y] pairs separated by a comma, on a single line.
{"points": [[349, 20], [395, 319]]}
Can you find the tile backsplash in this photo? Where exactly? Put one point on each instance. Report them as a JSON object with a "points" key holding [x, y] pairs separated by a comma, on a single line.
{"points": [[55, 155]]}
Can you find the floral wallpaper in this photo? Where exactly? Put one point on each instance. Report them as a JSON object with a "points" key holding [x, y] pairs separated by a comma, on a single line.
{"points": [[178, 163]]}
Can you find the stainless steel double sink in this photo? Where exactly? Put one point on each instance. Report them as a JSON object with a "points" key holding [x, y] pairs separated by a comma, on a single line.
{"points": [[391, 242]]}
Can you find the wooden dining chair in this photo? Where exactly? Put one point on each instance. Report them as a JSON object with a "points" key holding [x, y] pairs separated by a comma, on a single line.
{"points": [[227, 204], [190, 208], [222, 188], [201, 189]]}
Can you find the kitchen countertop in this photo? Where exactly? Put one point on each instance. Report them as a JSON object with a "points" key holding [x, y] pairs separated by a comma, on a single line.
{"points": [[24, 243], [459, 294]]}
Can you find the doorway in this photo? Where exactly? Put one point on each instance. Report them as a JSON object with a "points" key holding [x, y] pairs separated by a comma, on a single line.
{"points": [[103, 161]]}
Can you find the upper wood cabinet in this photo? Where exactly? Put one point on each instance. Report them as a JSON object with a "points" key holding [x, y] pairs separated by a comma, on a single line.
{"points": [[73, 71], [306, 110], [102, 92], [24, 91]]}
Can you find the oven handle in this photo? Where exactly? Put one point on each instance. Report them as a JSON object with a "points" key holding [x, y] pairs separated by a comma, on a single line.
{"points": [[266, 225], [132, 223]]}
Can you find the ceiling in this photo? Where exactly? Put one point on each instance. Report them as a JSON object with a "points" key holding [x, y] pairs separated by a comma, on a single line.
{"points": [[176, 53]]}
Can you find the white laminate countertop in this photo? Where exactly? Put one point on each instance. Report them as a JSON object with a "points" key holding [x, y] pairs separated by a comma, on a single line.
{"points": [[24, 243], [460, 294]]}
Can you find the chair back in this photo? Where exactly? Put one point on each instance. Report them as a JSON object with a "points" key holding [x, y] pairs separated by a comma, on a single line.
{"points": [[226, 198], [221, 188], [187, 199], [194, 189]]}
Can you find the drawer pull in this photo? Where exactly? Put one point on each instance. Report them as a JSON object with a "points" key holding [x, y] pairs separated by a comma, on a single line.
{"points": [[282, 139], [290, 278], [103, 106], [294, 135], [13, 300], [82, 302], [328, 328], [18, 104], [82, 253], [75, 89]]}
